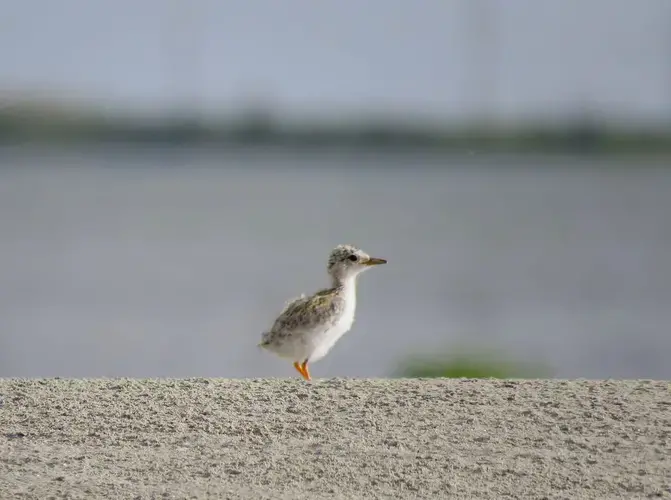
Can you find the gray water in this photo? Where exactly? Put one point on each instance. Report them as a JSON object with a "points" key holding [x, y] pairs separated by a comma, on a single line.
{"points": [[167, 263]]}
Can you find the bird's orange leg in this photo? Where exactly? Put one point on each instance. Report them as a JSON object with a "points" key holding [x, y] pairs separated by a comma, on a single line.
{"points": [[302, 370], [306, 372]]}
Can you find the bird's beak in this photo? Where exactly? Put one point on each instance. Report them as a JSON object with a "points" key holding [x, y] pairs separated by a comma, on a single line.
{"points": [[374, 261]]}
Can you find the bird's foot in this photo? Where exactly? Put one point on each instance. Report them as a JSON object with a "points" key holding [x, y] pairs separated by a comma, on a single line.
{"points": [[303, 369]]}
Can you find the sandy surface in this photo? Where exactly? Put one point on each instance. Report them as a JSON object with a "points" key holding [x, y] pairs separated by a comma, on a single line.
{"points": [[342, 438]]}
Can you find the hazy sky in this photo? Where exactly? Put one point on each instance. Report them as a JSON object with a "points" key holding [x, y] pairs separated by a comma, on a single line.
{"points": [[444, 58]]}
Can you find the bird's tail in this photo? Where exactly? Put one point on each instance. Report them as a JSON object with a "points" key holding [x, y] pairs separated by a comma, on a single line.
{"points": [[265, 340]]}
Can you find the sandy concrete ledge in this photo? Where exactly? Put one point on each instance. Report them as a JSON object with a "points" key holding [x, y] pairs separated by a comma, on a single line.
{"points": [[342, 438]]}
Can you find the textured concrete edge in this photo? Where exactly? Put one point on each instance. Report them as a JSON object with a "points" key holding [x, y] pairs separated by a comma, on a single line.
{"points": [[334, 379]]}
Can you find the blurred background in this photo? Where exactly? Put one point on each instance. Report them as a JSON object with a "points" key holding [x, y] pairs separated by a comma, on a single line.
{"points": [[172, 172]]}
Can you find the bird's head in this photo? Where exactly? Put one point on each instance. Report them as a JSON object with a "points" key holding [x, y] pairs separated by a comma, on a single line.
{"points": [[346, 261]]}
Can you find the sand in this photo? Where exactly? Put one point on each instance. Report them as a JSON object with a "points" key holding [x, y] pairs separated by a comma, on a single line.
{"points": [[335, 438]]}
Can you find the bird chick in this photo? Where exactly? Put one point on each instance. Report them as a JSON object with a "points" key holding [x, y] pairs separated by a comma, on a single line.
{"points": [[308, 327]]}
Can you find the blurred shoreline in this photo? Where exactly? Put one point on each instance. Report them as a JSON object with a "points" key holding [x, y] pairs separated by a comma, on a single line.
{"points": [[41, 122]]}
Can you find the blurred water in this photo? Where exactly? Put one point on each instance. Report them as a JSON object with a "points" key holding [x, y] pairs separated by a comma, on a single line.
{"points": [[171, 263]]}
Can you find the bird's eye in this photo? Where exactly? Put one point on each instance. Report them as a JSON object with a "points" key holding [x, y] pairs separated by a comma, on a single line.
{"points": [[353, 258]]}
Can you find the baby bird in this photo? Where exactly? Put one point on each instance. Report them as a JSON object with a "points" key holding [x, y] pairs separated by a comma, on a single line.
{"points": [[308, 327]]}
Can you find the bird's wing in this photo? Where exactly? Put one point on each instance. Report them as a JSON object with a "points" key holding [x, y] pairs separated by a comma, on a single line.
{"points": [[291, 303], [305, 313]]}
